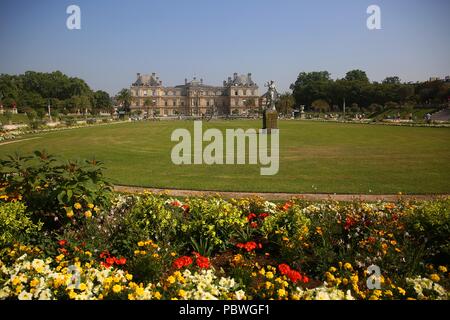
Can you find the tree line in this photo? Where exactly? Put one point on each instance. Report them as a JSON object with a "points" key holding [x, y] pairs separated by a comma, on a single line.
{"points": [[318, 92], [32, 92]]}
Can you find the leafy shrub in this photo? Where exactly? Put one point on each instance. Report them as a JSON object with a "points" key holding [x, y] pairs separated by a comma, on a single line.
{"points": [[212, 221], [52, 188], [15, 224], [429, 223]]}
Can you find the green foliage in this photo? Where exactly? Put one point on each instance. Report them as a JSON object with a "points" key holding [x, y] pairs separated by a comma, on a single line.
{"points": [[16, 224], [430, 223], [355, 87], [213, 221], [50, 187]]}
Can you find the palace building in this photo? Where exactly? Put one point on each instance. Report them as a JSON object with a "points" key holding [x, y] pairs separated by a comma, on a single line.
{"points": [[238, 96]]}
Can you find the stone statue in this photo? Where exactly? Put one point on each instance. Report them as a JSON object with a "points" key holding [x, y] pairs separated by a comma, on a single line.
{"points": [[272, 95]]}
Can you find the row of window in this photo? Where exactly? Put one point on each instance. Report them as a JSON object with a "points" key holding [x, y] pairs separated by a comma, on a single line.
{"points": [[146, 93]]}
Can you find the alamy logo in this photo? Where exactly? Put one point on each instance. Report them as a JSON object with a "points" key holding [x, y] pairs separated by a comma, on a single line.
{"points": [[73, 21], [234, 144]]}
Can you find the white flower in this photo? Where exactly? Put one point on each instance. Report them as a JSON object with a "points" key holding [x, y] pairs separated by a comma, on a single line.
{"points": [[25, 296]]}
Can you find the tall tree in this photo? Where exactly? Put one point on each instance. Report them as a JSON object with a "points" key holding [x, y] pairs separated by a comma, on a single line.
{"points": [[357, 75], [124, 98]]}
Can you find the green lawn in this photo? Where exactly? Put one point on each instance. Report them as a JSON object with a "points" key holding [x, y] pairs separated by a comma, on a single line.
{"points": [[314, 157]]}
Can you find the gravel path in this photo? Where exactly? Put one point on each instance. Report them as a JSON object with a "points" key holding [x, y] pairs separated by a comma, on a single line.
{"points": [[277, 196]]}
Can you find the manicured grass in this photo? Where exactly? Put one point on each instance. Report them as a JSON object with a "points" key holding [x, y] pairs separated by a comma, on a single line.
{"points": [[314, 157]]}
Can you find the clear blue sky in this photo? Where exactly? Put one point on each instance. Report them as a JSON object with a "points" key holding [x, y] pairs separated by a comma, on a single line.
{"points": [[212, 39]]}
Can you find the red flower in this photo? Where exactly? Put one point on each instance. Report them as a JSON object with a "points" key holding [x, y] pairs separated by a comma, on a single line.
{"points": [[294, 276], [263, 215], [120, 261], [254, 225], [62, 243], [287, 205], [249, 246], [203, 262], [176, 203], [110, 261], [284, 269], [105, 264], [185, 207], [251, 216], [182, 262], [348, 223], [104, 254], [305, 279]]}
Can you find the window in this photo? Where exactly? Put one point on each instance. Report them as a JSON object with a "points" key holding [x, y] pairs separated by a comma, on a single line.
{"points": [[207, 103], [145, 93], [236, 93], [182, 103], [165, 103]]}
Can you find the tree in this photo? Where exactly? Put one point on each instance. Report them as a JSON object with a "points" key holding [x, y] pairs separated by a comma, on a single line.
{"points": [[357, 75], [102, 101], [311, 86], [320, 106], [124, 98], [392, 80], [285, 103]]}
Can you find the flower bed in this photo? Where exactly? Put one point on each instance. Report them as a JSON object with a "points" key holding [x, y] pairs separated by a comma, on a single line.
{"points": [[91, 243]]}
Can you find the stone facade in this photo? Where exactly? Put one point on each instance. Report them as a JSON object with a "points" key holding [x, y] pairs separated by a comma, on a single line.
{"points": [[238, 95]]}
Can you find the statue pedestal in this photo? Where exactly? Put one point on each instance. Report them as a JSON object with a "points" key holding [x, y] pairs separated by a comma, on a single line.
{"points": [[270, 120]]}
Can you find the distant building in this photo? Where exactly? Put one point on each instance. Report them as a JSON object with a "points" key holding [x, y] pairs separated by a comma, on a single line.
{"points": [[447, 79], [238, 95], [434, 79]]}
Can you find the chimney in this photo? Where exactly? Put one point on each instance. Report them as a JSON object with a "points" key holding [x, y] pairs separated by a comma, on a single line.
{"points": [[185, 81], [195, 78], [235, 75], [160, 82], [249, 75], [224, 83], [201, 80], [153, 74], [138, 74]]}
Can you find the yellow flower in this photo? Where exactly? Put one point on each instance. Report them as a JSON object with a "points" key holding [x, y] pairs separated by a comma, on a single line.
{"points": [[332, 269], [140, 244], [34, 282], [268, 285], [129, 277], [157, 295], [139, 291], [393, 242], [181, 293], [82, 286], [117, 288], [377, 293], [269, 275], [348, 266], [401, 291], [69, 214], [155, 255], [59, 258], [77, 206], [136, 252], [345, 281], [173, 254], [72, 294], [281, 293], [171, 279], [435, 277], [442, 269], [143, 252], [88, 214], [90, 206]]}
